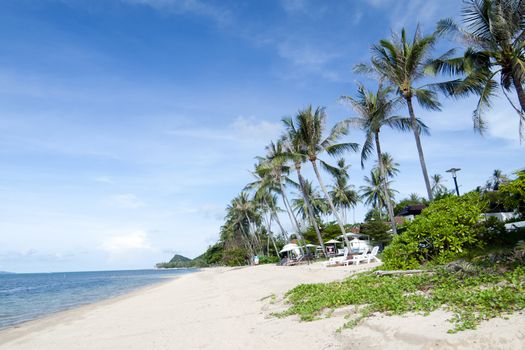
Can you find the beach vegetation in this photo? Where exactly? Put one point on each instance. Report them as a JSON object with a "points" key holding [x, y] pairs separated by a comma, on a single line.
{"points": [[447, 227], [471, 292]]}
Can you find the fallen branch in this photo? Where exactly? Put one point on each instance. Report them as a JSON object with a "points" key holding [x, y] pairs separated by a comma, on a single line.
{"points": [[401, 272]]}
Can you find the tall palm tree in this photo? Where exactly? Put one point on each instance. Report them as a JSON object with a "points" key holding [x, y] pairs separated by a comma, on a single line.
{"points": [[264, 186], [319, 205], [437, 184], [495, 37], [343, 194], [239, 211], [372, 193], [402, 63], [415, 197], [275, 163], [310, 126], [375, 111], [293, 146], [389, 164], [496, 180]]}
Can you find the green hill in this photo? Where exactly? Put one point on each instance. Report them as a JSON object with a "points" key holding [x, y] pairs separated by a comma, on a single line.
{"points": [[179, 259]]}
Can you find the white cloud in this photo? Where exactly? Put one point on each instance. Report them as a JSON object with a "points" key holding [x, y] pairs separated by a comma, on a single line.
{"points": [[241, 130], [122, 244], [125, 201], [104, 179], [197, 7]]}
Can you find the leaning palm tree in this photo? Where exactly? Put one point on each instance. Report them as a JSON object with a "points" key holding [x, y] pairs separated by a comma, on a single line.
{"points": [[375, 111], [372, 193], [319, 205], [402, 62], [276, 165], [310, 127], [343, 194], [494, 34], [264, 187], [293, 151]]}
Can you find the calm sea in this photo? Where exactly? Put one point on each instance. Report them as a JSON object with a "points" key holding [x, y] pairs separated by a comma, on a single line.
{"points": [[28, 296]]}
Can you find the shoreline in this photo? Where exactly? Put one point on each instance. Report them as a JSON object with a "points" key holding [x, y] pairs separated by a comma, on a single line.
{"points": [[50, 317], [231, 308]]}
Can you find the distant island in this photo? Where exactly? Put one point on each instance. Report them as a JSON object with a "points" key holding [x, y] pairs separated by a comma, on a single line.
{"points": [[6, 273], [179, 261]]}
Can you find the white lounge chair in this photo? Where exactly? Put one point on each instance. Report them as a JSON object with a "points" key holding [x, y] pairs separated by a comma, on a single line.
{"points": [[356, 259], [338, 259]]}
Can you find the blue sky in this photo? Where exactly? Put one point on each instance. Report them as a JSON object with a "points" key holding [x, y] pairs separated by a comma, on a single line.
{"points": [[126, 126]]}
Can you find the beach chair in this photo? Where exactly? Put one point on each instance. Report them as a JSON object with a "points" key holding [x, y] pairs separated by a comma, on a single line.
{"points": [[356, 259], [338, 259]]}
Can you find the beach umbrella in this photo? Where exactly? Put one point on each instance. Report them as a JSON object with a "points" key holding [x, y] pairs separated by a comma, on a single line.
{"points": [[332, 241], [288, 248]]}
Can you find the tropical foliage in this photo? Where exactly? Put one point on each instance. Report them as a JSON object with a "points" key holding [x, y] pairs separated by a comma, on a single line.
{"points": [[494, 35], [287, 201], [443, 230]]}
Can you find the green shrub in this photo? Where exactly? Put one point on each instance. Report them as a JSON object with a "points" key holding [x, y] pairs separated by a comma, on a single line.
{"points": [[235, 257], [472, 294], [443, 230], [377, 230], [514, 193], [268, 259]]}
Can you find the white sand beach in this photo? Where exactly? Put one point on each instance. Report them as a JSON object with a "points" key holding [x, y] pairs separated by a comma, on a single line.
{"points": [[227, 308]]}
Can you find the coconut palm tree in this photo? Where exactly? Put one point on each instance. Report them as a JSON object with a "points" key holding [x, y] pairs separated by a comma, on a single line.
{"points": [[343, 194], [494, 33], [437, 185], [415, 197], [389, 164], [268, 204], [372, 193], [319, 205], [375, 111], [276, 165], [496, 180], [402, 63], [309, 128], [264, 186], [293, 151]]}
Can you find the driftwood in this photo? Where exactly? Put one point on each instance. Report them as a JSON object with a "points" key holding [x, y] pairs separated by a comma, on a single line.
{"points": [[401, 272]]}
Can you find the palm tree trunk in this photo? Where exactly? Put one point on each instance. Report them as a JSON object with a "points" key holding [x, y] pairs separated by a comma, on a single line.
{"points": [[382, 180], [521, 99], [293, 219], [275, 247], [247, 242], [311, 215], [415, 129], [273, 212], [519, 91], [330, 203], [255, 237]]}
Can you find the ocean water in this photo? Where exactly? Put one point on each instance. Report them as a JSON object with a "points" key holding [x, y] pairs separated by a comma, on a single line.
{"points": [[28, 296]]}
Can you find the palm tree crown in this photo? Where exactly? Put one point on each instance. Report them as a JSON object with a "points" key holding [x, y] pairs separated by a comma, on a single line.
{"points": [[494, 34], [402, 63]]}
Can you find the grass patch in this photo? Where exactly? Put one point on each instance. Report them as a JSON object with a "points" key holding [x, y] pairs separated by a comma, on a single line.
{"points": [[473, 294]]}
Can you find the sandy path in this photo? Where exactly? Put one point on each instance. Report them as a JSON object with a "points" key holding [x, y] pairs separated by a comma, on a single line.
{"points": [[222, 309]]}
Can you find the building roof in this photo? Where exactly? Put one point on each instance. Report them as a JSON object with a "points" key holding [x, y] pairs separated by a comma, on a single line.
{"points": [[412, 210]]}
